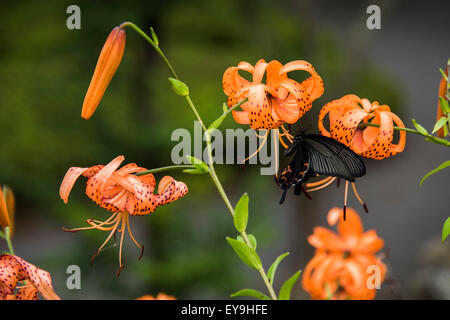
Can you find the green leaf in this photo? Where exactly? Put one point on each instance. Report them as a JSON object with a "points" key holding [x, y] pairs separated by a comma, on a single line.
{"points": [[250, 293], [251, 238], [439, 124], [253, 241], [247, 255], [274, 266], [444, 105], [198, 164], [446, 229], [217, 123], [154, 36], [438, 141], [195, 171], [179, 87], [285, 291], [241, 213], [419, 128], [442, 166]]}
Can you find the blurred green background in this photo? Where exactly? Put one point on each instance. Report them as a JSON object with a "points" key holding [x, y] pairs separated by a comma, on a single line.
{"points": [[45, 70]]}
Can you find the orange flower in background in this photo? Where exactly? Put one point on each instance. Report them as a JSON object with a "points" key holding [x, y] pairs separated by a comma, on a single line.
{"points": [[160, 296], [107, 64], [340, 266], [280, 100], [124, 192], [7, 208], [348, 112], [440, 113], [13, 270]]}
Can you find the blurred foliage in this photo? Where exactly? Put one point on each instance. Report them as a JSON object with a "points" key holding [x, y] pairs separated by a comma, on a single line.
{"points": [[45, 70]]}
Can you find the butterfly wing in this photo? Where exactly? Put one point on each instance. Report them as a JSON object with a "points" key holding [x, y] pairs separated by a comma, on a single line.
{"points": [[331, 158]]}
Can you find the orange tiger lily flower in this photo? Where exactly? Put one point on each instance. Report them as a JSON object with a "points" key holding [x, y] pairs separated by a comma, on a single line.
{"points": [[7, 208], [107, 64], [348, 112], [440, 113], [281, 100], [13, 270], [124, 192], [160, 296], [339, 268]]}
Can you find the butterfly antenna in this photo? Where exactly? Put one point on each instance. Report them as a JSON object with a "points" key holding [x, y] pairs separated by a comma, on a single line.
{"points": [[359, 198]]}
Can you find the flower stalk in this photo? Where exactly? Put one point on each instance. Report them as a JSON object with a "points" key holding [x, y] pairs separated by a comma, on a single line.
{"points": [[425, 134], [210, 162]]}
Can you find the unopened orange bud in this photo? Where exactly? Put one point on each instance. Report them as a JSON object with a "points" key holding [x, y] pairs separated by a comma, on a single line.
{"points": [[442, 90], [107, 64], [4, 215]]}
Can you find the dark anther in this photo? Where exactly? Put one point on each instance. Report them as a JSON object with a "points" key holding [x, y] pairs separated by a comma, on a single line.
{"points": [[120, 270], [142, 253], [365, 208], [93, 257]]}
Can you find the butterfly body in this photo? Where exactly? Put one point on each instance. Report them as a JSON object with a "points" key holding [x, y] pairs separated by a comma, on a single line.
{"points": [[316, 155]]}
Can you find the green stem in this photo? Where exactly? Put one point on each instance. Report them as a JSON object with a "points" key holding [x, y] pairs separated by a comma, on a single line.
{"points": [[152, 43], [367, 124], [234, 107], [8, 240], [426, 135], [162, 169], [210, 163]]}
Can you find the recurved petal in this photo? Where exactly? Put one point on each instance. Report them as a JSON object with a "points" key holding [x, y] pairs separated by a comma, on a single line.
{"points": [[398, 147], [287, 110], [144, 199], [170, 190], [325, 239], [69, 180], [349, 229], [313, 85], [307, 283], [241, 117], [299, 93], [232, 82], [97, 183], [369, 242], [273, 74], [379, 139], [10, 272], [335, 109], [258, 108], [260, 70]]}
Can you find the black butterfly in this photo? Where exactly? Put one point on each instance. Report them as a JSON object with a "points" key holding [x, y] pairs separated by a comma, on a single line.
{"points": [[318, 155]]}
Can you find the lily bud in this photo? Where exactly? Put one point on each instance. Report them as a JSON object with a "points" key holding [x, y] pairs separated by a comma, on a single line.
{"points": [[440, 112], [4, 215], [107, 64]]}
